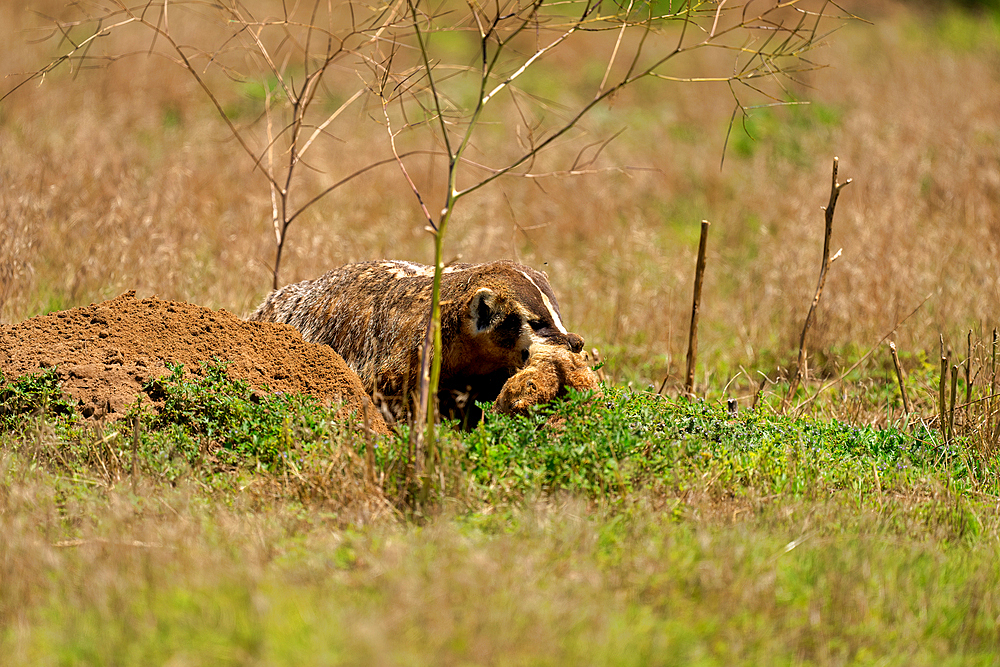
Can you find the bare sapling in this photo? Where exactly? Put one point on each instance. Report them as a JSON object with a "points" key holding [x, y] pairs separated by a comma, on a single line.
{"points": [[899, 378], [292, 58], [802, 371], [699, 277]]}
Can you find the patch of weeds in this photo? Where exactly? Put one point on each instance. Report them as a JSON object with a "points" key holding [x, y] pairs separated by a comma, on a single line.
{"points": [[213, 418], [33, 394], [611, 447]]}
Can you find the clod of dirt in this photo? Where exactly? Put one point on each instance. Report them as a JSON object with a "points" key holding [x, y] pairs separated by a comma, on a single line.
{"points": [[105, 352]]}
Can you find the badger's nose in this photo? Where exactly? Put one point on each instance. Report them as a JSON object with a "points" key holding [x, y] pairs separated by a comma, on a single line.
{"points": [[574, 342]]}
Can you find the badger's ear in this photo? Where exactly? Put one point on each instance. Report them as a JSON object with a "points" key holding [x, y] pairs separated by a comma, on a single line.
{"points": [[481, 309]]}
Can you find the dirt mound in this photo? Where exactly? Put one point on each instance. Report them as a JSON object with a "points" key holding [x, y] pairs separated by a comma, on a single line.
{"points": [[104, 353]]}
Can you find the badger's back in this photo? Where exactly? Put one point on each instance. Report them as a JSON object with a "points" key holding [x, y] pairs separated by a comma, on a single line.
{"points": [[370, 313]]}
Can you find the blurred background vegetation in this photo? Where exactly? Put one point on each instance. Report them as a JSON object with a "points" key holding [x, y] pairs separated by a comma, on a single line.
{"points": [[122, 176]]}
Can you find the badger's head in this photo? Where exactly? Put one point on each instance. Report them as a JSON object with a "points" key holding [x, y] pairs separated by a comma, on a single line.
{"points": [[514, 310]]}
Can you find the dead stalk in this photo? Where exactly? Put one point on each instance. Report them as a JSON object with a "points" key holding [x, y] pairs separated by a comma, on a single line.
{"points": [[951, 410], [899, 377], [968, 378], [942, 404], [699, 276], [993, 364], [802, 372]]}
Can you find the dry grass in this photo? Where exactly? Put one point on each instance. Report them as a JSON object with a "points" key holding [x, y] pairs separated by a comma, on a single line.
{"points": [[123, 178]]}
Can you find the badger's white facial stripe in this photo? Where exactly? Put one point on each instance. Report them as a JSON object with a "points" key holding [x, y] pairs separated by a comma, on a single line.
{"points": [[548, 304]]}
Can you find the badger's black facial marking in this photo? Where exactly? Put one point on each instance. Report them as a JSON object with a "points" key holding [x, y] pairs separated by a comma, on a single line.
{"points": [[524, 356], [507, 332]]}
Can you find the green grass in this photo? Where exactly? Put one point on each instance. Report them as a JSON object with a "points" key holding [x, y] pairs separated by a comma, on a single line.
{"points": [[784, 131], [638, 591], [628, 529]]}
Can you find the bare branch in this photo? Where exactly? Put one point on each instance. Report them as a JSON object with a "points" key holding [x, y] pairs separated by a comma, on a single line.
{"points": [[802, 372]]}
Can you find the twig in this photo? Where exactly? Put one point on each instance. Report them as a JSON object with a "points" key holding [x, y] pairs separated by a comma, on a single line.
{"points": [[899, 377], [968, 377], [402, 166], [993, 364], [991, 380], [802, 372], [699, 275], [941, 396], [951, 411], [618, 43], [63, 544], [715, 23]]}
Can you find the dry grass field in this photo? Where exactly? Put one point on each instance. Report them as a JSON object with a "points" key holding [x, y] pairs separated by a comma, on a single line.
{"points": [[123, 177]]}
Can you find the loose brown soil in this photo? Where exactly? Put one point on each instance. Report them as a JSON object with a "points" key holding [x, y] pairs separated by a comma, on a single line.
{"points": [[105, 352]]}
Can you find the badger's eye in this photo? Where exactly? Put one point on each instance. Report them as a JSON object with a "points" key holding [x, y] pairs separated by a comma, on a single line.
{"points": [[524, 355], [537, 325]]}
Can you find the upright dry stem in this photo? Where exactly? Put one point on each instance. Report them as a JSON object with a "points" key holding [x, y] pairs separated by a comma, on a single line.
{"points": [[968, 377], [699, 276], [951, 410], [801, 372], [942, 404], [899, 378]]}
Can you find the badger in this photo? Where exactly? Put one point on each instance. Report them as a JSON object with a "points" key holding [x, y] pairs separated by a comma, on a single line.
{"points": [[375, 314]]}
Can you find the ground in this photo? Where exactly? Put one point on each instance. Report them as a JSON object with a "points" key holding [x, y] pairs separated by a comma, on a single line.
{"points": [[105, 352]]}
